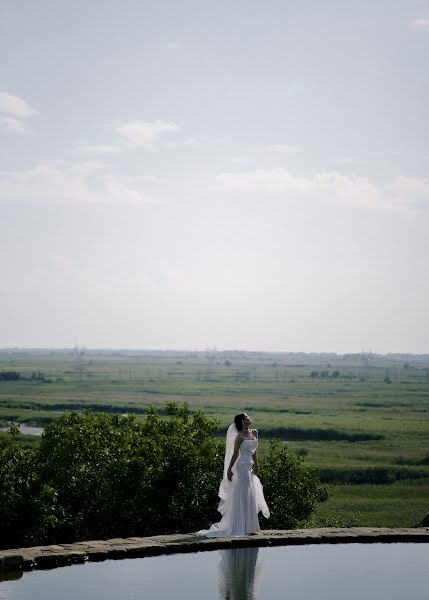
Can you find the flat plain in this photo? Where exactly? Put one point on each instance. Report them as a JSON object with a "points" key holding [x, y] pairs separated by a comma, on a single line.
{"points": [[361, 419]]}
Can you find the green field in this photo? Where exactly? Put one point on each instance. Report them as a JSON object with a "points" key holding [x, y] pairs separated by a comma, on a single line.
{"points": [[362, 420]]}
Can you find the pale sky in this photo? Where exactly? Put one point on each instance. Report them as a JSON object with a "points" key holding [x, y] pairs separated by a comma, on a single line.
{"points": [[232, 173]]}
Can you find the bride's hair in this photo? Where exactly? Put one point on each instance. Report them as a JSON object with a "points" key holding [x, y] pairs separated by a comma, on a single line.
{"points": [[238, 420]]}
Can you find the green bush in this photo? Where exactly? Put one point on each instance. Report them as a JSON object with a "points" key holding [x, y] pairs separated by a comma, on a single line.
{"points": [[291, 489], [96, 475], [16, 491]]}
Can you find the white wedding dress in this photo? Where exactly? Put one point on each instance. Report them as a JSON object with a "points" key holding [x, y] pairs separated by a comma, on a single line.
{"points": [[240, 499]]}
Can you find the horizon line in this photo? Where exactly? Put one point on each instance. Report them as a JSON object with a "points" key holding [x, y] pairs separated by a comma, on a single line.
{"points": [[212, 349]]}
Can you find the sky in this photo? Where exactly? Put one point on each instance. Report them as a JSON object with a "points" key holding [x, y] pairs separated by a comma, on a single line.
{"points": [[215, 173]]}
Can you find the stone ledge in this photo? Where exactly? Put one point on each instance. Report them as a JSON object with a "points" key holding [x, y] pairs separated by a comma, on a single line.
{"points": [[43, 557]]}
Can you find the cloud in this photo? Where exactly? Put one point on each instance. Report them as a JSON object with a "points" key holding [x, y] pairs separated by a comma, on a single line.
{"points": [[57, 182], [15, 106], [285, 148], [403, 195], [14, 125], [273, 180], [410, 193], [352, 190], [99, 148], [143, 133], [152, 178], [187, 143], [13, 111], [240, 160], [420, 24], [172, 45]]}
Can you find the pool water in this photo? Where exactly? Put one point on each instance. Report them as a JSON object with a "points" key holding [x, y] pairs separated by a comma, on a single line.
{"points": [[323, 572]]}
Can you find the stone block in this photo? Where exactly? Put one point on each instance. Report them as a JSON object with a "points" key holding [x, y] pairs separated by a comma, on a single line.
{"points": [[245, 542], [145, 550], [10, 575], [45, 561], [117, 553], [12, 561], [97, 554], [215, 544], [181, 547]]}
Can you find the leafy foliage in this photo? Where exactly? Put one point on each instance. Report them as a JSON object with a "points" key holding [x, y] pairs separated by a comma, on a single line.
{"points": [[96, 475], [291, 489], [16, 490]]}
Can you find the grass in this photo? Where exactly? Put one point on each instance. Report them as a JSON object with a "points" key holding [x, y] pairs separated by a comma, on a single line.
{"points": [[349, 426], [400, 504]]}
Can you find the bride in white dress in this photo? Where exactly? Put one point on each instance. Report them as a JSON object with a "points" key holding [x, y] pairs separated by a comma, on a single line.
{"points": [[240, 491]]}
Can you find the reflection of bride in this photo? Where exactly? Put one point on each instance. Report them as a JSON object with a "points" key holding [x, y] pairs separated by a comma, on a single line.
{"points": [[239, 574], [241, 493]]}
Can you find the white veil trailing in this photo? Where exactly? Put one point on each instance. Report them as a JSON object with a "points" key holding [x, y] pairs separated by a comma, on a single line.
{"points": [[231, 434]]}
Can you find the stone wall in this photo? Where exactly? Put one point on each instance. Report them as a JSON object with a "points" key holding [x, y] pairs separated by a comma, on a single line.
{"points": [[13, 562]]}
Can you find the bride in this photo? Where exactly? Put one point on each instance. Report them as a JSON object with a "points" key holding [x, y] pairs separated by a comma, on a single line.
{"points": [[240, 491]]}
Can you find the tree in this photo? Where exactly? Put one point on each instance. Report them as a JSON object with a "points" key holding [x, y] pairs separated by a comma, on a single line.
{"points": [[20, 510], [97, 475], [115, 476], [9, 376], [292, 490]]}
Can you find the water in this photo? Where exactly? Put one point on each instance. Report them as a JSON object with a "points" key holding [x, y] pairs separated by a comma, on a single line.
{"points": [[323, 572], [26, 429]]}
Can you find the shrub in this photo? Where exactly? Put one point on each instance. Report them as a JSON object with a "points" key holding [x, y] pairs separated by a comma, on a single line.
{"points": [[292, 490], [96, 475]]}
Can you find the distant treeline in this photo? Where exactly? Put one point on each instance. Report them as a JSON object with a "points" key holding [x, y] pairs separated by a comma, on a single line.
{"points": [[37, 421], [9, 375], [296, 433], [68, 353], [15, 376], [301, 434], [377, 475]]}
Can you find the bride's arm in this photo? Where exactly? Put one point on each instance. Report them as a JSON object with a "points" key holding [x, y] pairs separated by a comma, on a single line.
{"points": [[237, 443]]}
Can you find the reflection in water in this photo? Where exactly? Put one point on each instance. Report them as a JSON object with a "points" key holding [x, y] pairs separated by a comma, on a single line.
{"points": [[239, 574], [10, 576]]}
